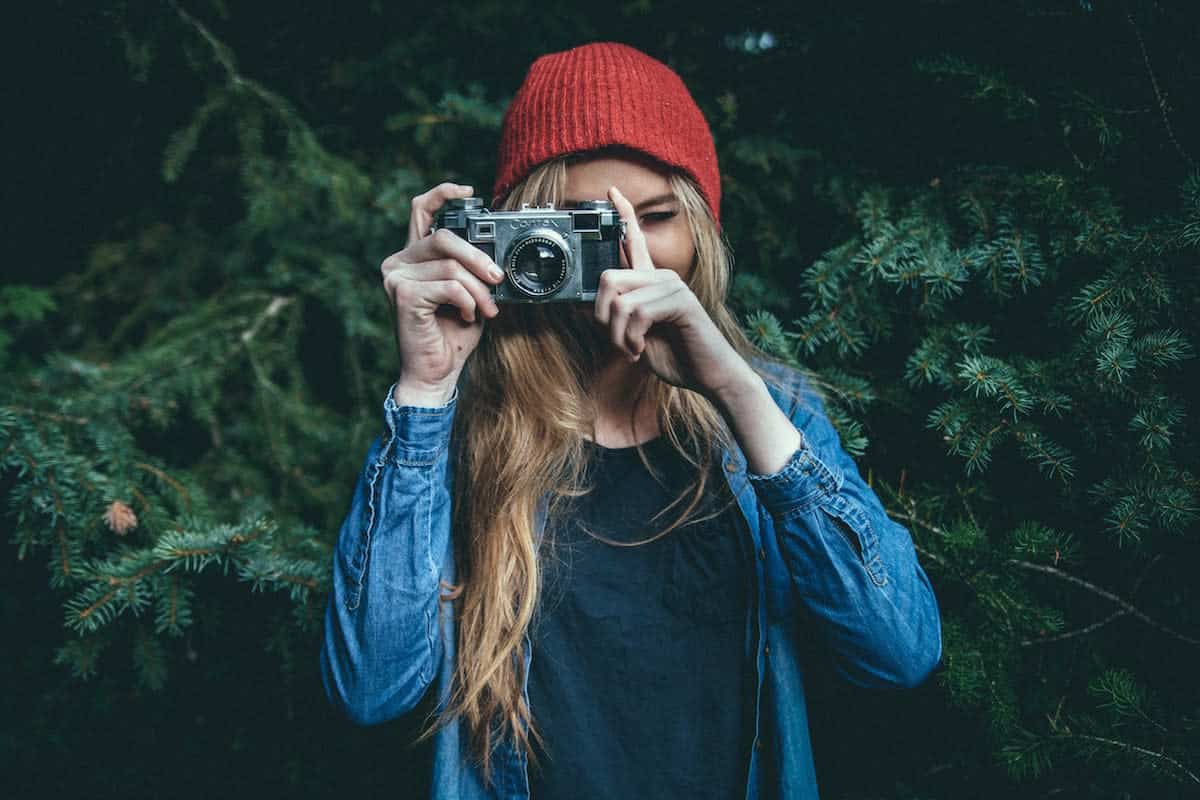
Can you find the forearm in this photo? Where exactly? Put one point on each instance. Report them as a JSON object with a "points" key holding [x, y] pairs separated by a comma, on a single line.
{"points": [[875, 605], [853, 567], [763, 431], [381, 643]]}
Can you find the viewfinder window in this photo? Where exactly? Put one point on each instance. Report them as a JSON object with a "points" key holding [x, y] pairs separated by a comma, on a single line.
{"points": [[587, 222]]}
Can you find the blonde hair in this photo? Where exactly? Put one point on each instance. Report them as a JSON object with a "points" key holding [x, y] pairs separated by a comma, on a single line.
{"points": [[524, 411]]}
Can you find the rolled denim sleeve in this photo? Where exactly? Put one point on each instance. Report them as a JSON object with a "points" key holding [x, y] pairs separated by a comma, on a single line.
{"points": [[851, 565], [381, 644]]}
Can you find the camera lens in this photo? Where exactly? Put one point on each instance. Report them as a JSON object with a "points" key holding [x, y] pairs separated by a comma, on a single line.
{"points": [[537, 265]]}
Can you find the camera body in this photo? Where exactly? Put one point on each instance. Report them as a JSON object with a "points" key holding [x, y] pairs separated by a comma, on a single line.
{"points": [[547, 254]]}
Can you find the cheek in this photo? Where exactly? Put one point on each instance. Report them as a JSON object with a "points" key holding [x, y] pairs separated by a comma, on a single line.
{"points": [[673, 251]]}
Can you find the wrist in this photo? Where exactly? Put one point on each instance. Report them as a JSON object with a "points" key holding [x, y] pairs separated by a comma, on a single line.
{"points": [[422, 394], [746, 387], [764, 433]]}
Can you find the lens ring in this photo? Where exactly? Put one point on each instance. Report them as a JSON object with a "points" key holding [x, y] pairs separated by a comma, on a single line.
{"points": [[538, 265]]}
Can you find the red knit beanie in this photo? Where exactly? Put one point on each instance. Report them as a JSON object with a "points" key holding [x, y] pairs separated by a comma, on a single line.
{"points": [[600, 95]]}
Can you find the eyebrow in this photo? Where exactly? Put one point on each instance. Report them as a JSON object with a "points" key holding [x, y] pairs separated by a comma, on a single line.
{"points": [[652, 201]]}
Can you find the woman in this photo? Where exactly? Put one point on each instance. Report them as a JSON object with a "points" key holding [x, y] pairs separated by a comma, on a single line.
{"points": [[603, 531]]}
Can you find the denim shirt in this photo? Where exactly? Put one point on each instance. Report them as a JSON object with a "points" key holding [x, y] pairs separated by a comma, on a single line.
{"points": [[388, 636]]}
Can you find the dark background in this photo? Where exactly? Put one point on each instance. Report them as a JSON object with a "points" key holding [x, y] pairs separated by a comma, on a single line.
{"points": [[85, 139]]}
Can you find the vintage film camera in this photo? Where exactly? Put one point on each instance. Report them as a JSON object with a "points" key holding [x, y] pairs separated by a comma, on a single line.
{"points": [[547, 254]]}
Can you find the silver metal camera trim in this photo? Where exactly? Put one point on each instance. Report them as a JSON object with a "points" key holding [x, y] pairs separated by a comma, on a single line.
{"points": [[550, 236], [468, 214]]}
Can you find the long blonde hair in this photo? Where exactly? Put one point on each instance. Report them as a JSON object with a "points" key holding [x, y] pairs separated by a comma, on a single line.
{"points": [[524, 411]]}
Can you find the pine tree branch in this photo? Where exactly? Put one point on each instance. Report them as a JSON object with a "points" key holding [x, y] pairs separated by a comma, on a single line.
{"points": [[179, 487], [1067, 144], [25, 454], [59, 530], [278, 303], [33, 412], [141, 497], [1075, 632], [983, 442], [1133, 748], [912, 519], [1107, 595], [100, 603], [285, 111], [1163, 106], [1126, 606], [225, 59], [174, 583], [176, 367], [32, 463], [962, 495], [1096, 625], [236, 540], [311, 583]]}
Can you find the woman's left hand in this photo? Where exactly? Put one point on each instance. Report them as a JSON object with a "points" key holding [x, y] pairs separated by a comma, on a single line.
{"points": [[652, 314]]}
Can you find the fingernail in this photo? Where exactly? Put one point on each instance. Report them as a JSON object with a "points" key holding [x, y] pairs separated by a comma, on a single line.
{"points": [[495, 272]]}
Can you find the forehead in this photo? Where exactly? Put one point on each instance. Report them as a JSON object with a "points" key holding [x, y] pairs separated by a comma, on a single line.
{"points": [[589, 180]]}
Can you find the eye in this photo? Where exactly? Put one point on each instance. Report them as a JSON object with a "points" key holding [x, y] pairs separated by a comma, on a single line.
{"points": [[658, 216]]}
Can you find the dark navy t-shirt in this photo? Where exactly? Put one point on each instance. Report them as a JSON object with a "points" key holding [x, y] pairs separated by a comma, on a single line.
{"points": [[640, 680]]}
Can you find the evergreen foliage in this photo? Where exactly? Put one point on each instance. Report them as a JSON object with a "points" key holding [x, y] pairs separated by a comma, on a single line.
{"points": [[1005, 332]]}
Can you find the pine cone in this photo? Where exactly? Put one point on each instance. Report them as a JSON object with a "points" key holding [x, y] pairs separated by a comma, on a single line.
{"points": [[120, 518]]}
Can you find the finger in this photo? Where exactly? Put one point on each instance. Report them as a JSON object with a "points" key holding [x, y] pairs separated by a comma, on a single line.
{"points": [[424, 206], [637, 254], [664, 307], [615, 282], [445, 244], [630, 307], [446, 269], [484, 301], [417, 296], [450, 292]]}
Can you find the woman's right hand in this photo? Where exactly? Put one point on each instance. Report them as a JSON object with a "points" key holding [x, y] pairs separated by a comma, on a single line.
{"points": [[440, 293]]}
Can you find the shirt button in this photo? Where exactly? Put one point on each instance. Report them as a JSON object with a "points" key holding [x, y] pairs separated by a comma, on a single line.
{"points": [[766, 650], [762, 554], [758, 745], [730, 466]]}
